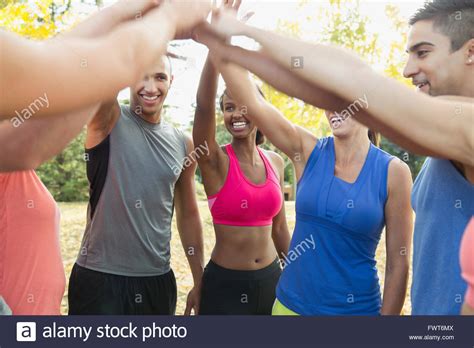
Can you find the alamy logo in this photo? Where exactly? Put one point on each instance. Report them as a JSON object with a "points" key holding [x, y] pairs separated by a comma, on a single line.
{"points": [[26, 332]]}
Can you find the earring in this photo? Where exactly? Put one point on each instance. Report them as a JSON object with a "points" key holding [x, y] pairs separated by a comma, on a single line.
{"points": [[469, 60]]}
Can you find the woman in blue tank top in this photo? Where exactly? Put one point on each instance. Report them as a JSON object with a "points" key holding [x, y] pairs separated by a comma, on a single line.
{"points": [[348, 191], [341, 205]]}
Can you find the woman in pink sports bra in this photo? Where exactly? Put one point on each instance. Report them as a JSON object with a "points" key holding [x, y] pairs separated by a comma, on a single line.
{"points": [[244, 188]]}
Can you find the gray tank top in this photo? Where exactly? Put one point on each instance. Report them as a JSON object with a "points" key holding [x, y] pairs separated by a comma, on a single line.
{"points": [[132, 175]]}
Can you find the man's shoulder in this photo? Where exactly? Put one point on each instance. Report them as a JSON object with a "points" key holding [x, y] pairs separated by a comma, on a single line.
{"points": [[173, 129]]}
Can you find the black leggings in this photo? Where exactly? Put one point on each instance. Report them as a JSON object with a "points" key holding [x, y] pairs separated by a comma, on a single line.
{"points": [[226, 291]]}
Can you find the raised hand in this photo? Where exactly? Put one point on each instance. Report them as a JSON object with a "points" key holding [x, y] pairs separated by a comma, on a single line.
{"points": [[187, 14], [230, 5], [205, 33], [225, 22]]}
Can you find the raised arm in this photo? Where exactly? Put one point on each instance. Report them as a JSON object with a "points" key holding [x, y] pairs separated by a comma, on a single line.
{"points": [[287, 82], [29, 142], [204, 127], [99, 67], [110, 17], [26, 145], [296, 142], [427, 123], [270, 71], [102, 123]]}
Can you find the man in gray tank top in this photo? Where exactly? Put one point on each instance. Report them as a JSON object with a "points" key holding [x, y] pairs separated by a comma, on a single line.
{"points": [[140, 170]]}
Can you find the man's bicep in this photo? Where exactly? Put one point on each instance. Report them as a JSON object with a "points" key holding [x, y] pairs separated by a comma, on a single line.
{"points": [[185, 185], [100, 126], [185, 192], [107, 113]]}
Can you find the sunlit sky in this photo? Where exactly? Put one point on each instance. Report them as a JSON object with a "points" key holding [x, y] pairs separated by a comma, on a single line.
{"points": [[267, 13]]}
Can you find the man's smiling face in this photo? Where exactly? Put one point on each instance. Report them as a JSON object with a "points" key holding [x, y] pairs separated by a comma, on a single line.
{"points": [[432, 65], [150, 93]]}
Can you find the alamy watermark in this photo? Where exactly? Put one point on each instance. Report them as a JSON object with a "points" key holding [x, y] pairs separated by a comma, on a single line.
{"points": [[352, 109], [26, 113], [298, 250], [192, 157]]}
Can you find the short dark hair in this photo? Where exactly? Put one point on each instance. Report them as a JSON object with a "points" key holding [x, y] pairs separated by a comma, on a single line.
{"points": [[453, 18], [260, 137]]}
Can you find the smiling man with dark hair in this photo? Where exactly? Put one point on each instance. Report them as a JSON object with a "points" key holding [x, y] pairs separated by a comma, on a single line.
{"points": [[132, 156]]}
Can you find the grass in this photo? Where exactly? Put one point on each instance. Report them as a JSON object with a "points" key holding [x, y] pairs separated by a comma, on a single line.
{"points": [[73, 220]]}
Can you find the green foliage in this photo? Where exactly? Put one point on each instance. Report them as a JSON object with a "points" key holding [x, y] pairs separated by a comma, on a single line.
{"points": [[394, 68], [222, 134], [39, 20], [65, 175], [415, 162]]}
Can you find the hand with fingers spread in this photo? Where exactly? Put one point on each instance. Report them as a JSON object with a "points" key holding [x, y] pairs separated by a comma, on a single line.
{"points": [[225, 22], [228, 11], [206, 35], [232, 6]]}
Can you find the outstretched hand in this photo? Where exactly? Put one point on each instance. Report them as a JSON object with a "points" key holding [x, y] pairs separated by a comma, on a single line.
{"points": [[225, 22], [229, 5], [187, 14], [207, 34]]}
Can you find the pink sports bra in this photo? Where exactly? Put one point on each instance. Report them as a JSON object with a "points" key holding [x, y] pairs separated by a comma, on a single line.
{"points": [[243, 203]]}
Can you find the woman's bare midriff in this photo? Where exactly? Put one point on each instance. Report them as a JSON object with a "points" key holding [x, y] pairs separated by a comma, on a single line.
{"points": [[243, 247]]}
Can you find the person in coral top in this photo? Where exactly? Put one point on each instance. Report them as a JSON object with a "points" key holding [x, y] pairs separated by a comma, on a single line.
{"points": [[32, 278]]}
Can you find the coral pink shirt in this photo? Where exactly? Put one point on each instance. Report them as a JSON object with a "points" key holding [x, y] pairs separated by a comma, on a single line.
{"points": [[32, 278], [467, 261]]}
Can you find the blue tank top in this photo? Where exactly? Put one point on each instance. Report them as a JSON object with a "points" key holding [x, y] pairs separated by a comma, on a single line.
{"points": [[330, 267], [443, 201], [339, 188]]}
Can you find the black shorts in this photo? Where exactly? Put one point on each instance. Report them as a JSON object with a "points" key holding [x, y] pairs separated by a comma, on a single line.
{"points": [[92, 292], [226, 291]]}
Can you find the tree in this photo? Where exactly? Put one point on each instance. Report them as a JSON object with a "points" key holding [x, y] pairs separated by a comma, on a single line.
{"points": [[39, 20], [65, 175]]}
